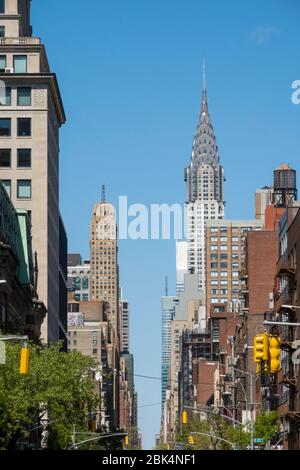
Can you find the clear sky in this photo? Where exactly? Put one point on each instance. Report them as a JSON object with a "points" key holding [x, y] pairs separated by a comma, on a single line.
{"points": [[130, 73]]}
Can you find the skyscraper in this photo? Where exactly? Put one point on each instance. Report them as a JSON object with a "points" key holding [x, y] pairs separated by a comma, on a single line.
{"points": [[104, 276], [167, 315], [31, 114], [204, 179]]}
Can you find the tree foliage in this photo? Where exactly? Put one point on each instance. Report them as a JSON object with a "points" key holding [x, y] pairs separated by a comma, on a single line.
{"points": [[59, 387]]}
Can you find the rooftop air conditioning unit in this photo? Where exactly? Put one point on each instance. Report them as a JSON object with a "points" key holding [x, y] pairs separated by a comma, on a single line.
{"points": [[9, 70]]}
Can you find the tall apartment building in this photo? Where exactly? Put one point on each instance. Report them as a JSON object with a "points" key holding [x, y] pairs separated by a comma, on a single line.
{"points": [[31, 114], [204, 179], [79, 277], [124, 324], [225, 250], [104, 277]]}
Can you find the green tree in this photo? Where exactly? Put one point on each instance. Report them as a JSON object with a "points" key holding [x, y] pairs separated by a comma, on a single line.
{"points": [[267, 426], [59, 386]]}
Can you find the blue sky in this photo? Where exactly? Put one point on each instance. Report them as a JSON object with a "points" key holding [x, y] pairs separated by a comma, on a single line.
{"points": [[130, 73]]}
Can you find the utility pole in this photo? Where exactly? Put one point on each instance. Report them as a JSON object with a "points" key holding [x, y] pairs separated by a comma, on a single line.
{"points": [[251, 383]]}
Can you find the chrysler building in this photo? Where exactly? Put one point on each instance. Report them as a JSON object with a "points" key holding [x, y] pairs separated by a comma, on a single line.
{"points": [[204, 179]]}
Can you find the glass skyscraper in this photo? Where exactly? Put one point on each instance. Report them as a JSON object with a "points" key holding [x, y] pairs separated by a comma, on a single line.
{"points": [[167, 315]]}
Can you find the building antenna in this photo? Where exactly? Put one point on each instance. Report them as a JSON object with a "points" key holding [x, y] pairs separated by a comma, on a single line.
{"points": [[166, 287], [204, 76], [103, 198]]}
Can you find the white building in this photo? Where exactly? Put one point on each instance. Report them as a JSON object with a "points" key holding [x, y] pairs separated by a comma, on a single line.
{"points": [[204, 179], [181, 265]]}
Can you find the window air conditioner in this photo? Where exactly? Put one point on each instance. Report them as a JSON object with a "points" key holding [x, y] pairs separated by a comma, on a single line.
{"points": [[9, 70]]}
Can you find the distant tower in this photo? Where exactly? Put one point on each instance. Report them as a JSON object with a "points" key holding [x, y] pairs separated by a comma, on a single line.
{"points": [[285, 186], [104, 282], [167, 315], [204, 189]]}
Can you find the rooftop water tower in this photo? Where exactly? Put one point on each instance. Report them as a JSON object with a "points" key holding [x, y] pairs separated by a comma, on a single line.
{"points": [[285, 187]]}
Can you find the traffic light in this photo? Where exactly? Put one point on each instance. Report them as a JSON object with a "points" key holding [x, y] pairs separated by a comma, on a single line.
{"points": [[24, 361], [261, 349], [185, 417], [126, 440], [191, 440], [274, 350]]}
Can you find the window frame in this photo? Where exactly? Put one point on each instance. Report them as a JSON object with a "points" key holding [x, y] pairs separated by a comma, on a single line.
{"points": [[30, 157], [9, 120], [18, 188], [6, 150], [18, 95], [19, 119], [18, 56]]}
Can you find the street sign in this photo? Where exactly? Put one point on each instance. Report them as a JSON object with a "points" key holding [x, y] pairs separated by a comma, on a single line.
{"points": [[259, 440]]}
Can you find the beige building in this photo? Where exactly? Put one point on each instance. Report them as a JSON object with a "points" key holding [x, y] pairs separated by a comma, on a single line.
{"points": [[224, 257], [31, 113], [104, 276]]}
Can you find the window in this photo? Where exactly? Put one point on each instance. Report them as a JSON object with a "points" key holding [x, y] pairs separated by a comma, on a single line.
{"points": [[214, 265], [24, 96], [224, 265], [2, 30], [235, 283], [235, 274], [85, 297], [214, 274], [214, 229], [235, 239], [224, 301], [2, 6], [24, 127], [213, 239], [235, 248], [5, 127], [7, 186], [224, 239], [223, 229], [235, 256], [224, 283], [224, 274], [214, 291], [213, 247], [2, 62], [235, 265], [24, 158], [94, 351], [5, 158], [5, 97], [20, 64], [224, 256], [214, 283], [224, 291], [214, 256], [24, 189], [223, 248], [214, 301]]}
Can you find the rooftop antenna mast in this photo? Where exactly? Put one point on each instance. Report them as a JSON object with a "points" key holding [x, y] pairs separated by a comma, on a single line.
{"points": [[103, 196], [167, 287]]}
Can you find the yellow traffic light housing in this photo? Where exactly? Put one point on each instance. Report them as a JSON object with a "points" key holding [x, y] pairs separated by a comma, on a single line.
{"points": [[24, 361], [274, 350], [185, 417], [126, 440], [261, 349], [191, 440]]}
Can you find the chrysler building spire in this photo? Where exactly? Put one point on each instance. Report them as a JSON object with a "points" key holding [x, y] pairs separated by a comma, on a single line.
{"points": [[204, 188]]}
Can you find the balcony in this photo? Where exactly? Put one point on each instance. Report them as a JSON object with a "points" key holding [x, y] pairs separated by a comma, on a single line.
{"points": [[19, 41]]}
